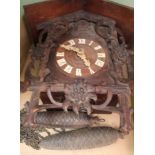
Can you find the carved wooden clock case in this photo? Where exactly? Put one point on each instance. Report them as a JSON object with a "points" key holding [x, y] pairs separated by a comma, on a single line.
{"points": [[79, 63]]}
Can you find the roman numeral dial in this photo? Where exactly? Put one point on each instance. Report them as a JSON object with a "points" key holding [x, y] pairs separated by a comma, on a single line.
{"points": [[80, 57]]}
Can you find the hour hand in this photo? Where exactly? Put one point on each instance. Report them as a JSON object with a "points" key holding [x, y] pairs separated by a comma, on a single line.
{"points": [[80, 53], [69, 47]]}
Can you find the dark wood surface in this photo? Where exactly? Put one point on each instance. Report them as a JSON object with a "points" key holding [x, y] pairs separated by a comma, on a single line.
{"points": [[45, 11]]}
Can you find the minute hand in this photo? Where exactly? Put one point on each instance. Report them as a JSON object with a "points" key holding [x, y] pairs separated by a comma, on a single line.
{"points": [[82, 55]]}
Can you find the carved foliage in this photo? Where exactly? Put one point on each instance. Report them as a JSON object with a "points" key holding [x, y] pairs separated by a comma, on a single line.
{"points": [[53, 31]]}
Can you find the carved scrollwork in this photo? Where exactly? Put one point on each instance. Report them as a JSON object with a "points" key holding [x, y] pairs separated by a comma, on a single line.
{"points": [[52, 99], [81, 99], [119, 54], [41, 52]]}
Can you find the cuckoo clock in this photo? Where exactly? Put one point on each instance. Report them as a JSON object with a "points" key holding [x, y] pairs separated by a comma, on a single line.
{"points": [[79, 63]]}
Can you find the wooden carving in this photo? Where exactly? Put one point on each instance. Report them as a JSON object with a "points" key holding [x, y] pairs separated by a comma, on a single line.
{"points": [[100, 65]]}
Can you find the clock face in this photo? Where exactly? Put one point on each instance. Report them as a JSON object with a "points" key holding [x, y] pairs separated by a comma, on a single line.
{"points": [[80, 57]]}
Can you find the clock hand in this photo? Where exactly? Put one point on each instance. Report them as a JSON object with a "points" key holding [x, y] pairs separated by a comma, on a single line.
{"points": [[69, 47], [80, 53]]}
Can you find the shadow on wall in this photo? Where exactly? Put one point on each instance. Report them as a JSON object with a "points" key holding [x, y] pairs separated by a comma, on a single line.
{"points": [[24, 44]]}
